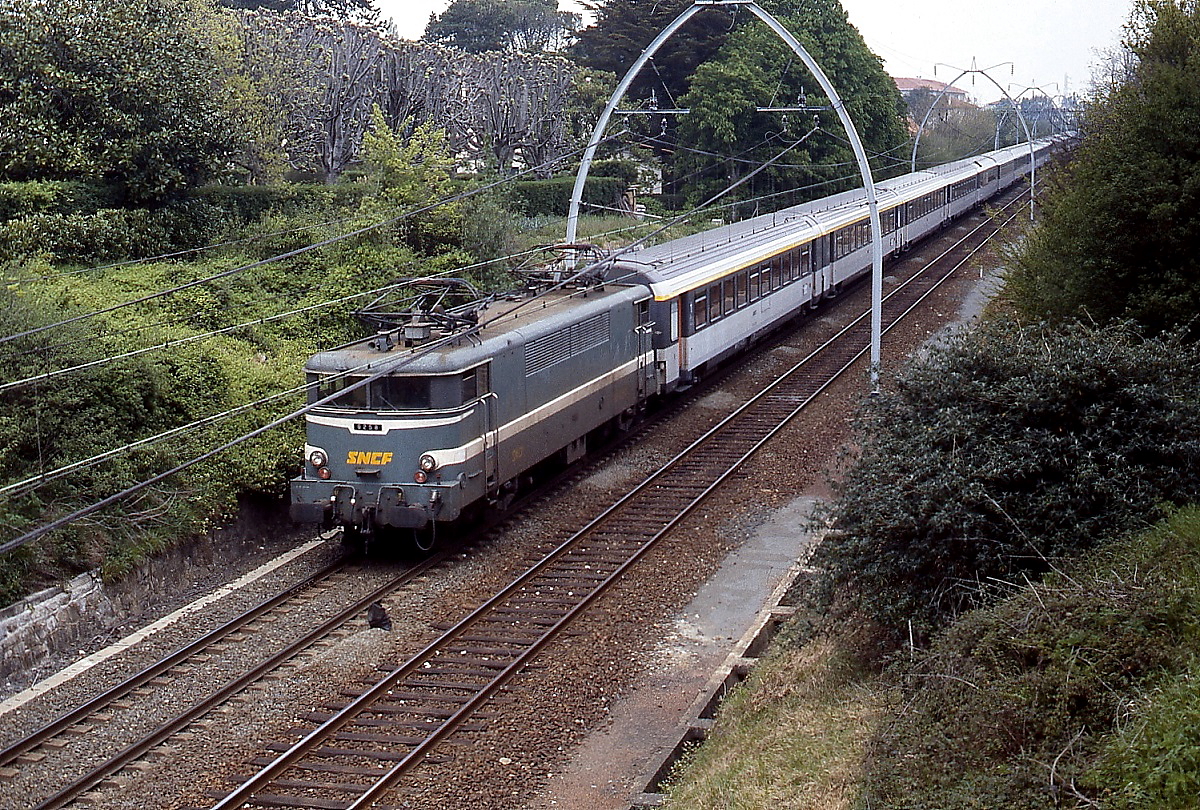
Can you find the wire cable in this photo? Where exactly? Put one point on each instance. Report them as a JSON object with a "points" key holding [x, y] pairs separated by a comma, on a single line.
{"points": [[65, 520]]}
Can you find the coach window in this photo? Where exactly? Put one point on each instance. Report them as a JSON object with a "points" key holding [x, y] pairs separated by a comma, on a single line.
{"points": [[700, 311], [743, 286], [730, 285], [754, 277], [715, 299], [777, 274]]}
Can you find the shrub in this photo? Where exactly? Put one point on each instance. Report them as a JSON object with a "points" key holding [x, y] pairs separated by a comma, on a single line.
{"points": [[1002, 449], [536, 197], [109, 234], [1154, 758], [1036, 701], [252, 203], [52, 197]]}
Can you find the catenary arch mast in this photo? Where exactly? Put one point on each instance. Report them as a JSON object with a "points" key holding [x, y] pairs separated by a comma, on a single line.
{"points": [[860, 152], [1011, 102]]}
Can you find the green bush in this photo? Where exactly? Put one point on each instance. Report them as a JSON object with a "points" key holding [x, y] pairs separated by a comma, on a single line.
{"points": [[110, 234], [626, 170], [252, 203], [19, 199], [1153, 760], [1002, 449], [1079, 691], [77, 416]]}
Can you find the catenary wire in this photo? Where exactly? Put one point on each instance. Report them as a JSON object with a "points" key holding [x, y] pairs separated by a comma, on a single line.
{"points": [[65, 520]]}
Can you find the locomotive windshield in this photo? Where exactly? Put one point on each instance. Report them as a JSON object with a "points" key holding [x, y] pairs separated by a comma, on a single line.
{"points": [[400, 393]]}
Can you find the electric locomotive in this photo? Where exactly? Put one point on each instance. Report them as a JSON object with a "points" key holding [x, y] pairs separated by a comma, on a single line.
{"points": [[458, 409]]}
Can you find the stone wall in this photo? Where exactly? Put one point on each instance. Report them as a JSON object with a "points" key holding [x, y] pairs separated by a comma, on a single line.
{"points": [[41, 632], [36, 628]]}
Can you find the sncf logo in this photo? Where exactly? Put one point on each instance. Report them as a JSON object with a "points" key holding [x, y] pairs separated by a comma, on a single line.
{"points": [[363, 457]]}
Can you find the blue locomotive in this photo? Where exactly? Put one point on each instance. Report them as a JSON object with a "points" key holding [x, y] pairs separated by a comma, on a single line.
{"points": [[457, 415], [463, 402]]}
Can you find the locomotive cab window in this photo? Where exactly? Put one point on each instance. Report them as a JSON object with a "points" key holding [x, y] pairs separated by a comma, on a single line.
{"points": [[401, 393], [475, 383], [327, 385]]}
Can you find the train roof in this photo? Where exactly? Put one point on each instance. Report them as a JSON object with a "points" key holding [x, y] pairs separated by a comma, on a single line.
{"points": [[690, 261], [502, 323]]}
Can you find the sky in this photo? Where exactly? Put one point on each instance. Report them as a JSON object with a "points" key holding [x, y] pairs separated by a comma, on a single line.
{"points": [[1051, 44]]}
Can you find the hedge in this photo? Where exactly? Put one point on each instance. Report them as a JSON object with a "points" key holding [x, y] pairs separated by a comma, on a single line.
{"points": [[553, 197]]}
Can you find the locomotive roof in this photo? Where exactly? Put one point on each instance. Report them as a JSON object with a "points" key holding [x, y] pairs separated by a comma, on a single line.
{"points": [[691, 261], [502, 323]]}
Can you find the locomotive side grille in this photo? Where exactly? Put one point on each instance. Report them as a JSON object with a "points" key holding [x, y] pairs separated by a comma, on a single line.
{"points": [[546, 351], [590, 333]]}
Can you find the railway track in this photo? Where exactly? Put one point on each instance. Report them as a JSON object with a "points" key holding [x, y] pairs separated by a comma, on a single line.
{"points": [[202, 693], [354, 753]]}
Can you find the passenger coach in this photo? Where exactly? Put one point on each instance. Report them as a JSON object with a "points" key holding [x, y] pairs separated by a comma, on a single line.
{"points": [[716, 292]]}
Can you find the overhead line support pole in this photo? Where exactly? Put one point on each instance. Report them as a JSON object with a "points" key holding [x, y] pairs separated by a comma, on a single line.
{"points": [[839, 107], [1016, 108]]}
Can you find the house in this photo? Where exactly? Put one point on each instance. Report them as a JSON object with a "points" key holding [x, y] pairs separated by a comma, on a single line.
{"points": [[953, 97]]}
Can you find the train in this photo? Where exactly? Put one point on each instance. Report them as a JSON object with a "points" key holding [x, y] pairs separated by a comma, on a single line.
{"points": [[458, 399]]}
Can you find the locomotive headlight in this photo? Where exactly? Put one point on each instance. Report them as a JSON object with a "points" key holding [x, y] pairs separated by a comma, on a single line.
{"points": [[324, 473], [317, 458], [428, 463], [420, 477]]}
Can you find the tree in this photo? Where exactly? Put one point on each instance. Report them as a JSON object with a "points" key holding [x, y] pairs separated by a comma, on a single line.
{"points": [[1118, 233], [360, 11], [753, 69], [522, 26], [324, 88], [125, 91], [624, 28], [407, 173]]}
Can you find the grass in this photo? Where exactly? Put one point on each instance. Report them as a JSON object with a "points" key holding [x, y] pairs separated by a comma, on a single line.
{"points": [[792, 736], [1078, 691]]}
